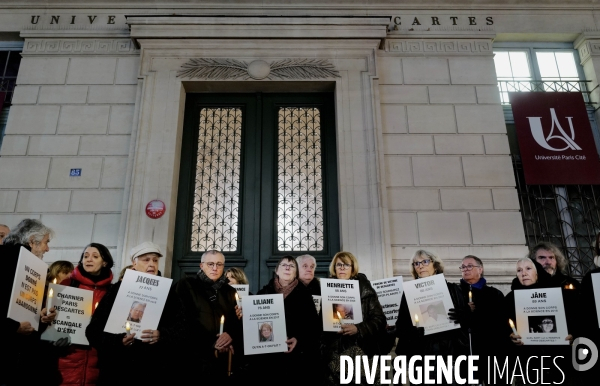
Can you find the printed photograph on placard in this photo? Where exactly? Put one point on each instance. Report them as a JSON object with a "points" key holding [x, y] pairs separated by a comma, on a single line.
{"points": [[264, 324], [540, 315], [265, 331], [389, 291], [340, 302], [433, 313], [136, 313], [344, 311], [73, 314]]}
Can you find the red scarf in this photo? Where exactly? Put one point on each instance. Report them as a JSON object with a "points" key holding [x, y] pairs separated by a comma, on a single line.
{"points": [[285, 290]]}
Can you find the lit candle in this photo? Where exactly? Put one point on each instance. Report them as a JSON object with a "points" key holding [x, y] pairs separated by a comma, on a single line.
{"points": [[470, 297], [512, 325], [54, 281], [128, 328], [416, 320], [238, 301], [96, 306], [339, 318], [222, 324], [570, 286], [49, 301]]}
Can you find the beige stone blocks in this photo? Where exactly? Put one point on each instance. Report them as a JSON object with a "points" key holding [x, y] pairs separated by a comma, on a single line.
{"points": [[114, 172], [23, 172], [437, 171], [431, 119], [91, 168], [62, 94], [458, 144], [506, 199], [97, 201], [413, 199], [39, 70], [497, 228], [407, 144], [71, 230], [390, 70], [444, 228], [393, 118], [127, 70], [25, 95], [403, 228], [425, 70], [91, 70], [480, 119], [464, 199], [403, 94], [43, 201], [496, 144], [104, 145], [106, 229], [25, 119], [14, 145], [83, 120], [488, 171], [121, 119], [112, 94], [472, 70], [8, 201], [53, 145], [488, 94], [398, 171], [452, 94]]}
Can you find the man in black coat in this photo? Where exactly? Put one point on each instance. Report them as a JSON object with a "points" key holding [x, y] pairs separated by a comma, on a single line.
{"points": [[555, 263], [206, 298], [306, 274]]}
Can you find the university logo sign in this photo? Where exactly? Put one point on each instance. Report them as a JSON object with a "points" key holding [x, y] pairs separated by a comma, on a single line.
{"points": [[555, 138]]}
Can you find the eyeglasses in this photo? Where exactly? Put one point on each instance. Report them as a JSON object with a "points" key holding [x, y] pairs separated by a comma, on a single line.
{"points": [[425, 263], [212, 265], [343, 266], [547, 322], [287, 266], [467, 267]]}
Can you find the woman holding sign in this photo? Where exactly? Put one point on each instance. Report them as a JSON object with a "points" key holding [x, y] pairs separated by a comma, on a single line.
{"points": [[367, 337], [80, 364]]}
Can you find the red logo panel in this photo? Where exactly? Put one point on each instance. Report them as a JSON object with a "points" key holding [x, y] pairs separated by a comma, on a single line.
{"points": [[155, 209]]}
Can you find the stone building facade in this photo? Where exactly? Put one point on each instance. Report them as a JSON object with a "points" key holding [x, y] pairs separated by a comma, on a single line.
{"points": [[423, 158]]}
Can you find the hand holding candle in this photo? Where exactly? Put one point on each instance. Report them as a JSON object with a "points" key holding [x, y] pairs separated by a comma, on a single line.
{"points": [[128, 328], [222, 324], [512, 325], [238, 301], [340, 318], [49, 301], [470, 297]]}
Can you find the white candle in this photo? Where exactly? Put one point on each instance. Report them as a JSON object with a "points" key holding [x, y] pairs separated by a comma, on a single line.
{"points": [[512, 325], [96, 306], [416, 320], [128, 328], [340, 318], [238, 301], [54, 281], [222, 324], [49, 301], [470, 297]]}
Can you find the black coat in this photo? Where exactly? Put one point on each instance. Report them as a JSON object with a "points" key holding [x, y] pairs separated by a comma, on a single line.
{"points": [[314, 287], [128, 365]]}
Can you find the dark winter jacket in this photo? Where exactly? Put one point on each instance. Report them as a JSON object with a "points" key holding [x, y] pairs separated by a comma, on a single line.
{"points": [[371, 331], [139, 363], [314, 287], [561, 280], [78, 366]]}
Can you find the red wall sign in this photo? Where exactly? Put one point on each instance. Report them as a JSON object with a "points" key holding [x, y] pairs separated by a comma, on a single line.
{"points": [[555, 138], [155, 209]]}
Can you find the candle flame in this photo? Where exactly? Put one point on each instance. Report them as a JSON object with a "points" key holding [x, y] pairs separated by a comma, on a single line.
{"points": [[127, 326], [416, 318], [237, 297], [512, 325], [54, 281], [96, 306], [570, 286], [339, 316], [51, 293], [222, 319]]}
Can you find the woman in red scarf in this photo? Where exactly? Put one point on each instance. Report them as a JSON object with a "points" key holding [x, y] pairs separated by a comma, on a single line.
{"points": [[80, 364]]}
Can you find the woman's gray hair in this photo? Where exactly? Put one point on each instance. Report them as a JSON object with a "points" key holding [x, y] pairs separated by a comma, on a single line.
{"points": [[527, 259], [28, 231], [438, 265]]}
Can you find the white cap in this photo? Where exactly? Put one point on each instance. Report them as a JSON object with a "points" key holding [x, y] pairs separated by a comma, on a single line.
{"points": [[144, 248]]}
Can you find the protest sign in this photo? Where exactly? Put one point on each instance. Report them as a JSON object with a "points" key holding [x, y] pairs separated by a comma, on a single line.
{"points": [[317, 301], [27, 293], [140, 302], [596, 289], [73, 313], [340, 302], [389, 291], [242, 289], [541, 316], [430, 300], [264, 324]]}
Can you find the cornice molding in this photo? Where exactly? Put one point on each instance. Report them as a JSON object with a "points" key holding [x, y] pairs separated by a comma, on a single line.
{"points": [[79, 46], [440, 46]]}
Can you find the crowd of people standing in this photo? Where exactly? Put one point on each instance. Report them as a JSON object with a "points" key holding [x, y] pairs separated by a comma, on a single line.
{"points": [[187, 345]]}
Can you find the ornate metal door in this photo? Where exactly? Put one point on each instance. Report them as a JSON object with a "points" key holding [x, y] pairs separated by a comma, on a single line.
{"points": [[258, 180]]}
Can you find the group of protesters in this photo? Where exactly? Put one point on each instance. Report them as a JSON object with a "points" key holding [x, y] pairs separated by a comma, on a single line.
{"points": [[187, 347]]}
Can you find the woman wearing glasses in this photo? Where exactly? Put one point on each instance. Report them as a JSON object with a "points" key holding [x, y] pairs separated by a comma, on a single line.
{"points": [[367, 337], [302, 325], [412, 339]]}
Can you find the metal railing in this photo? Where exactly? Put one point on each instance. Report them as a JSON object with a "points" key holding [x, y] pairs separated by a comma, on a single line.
{"points": [[506, 86]]}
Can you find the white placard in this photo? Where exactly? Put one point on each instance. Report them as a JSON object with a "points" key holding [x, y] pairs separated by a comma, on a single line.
{"points": [[27, 293], [541, 316], [264, 324], [341, 296], [140, 301], [73, 314], [317, 301], [430, 299], [389, 291], [596, 289], [242, 289]]}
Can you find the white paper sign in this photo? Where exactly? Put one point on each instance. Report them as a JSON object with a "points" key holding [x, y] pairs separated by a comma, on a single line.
{"points": [[242, 289], [28, 289], [317, 301], [73, 314], [140, 301], [389, 291], [541, 316], [430, 299], [596, 287], [264, 324], [343, 297]]}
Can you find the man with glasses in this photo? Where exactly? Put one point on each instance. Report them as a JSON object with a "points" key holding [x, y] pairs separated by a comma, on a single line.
{"points": [[206, 298], [487, 324], [306, 274]]}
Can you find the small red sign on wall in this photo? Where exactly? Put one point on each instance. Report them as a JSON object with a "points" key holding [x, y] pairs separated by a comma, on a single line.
{"points": [[155, 209], [555, 138]]}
